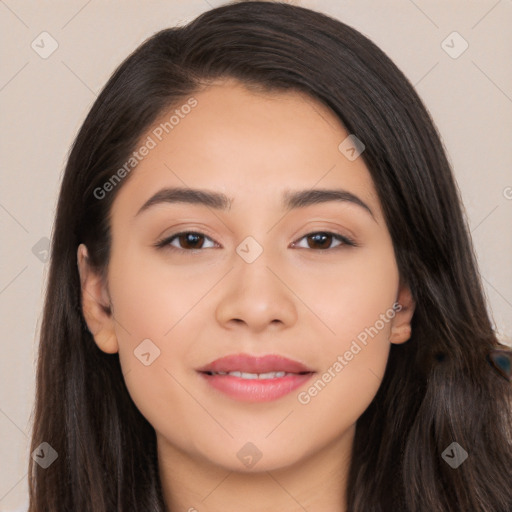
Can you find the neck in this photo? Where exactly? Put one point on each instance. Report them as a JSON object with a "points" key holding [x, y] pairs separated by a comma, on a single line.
{"points": [[313, 483]]}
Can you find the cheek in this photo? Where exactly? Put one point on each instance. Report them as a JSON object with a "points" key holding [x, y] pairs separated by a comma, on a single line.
{"points": [[154, 306], [355, 304], [337, 397], [151, 299], [351, 296]]}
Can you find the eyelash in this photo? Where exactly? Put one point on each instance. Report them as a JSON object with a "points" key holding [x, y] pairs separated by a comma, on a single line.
{"points": [[166, 242]]}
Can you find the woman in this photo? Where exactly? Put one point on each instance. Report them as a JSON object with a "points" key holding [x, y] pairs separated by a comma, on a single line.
{"points": [[262, 292]]}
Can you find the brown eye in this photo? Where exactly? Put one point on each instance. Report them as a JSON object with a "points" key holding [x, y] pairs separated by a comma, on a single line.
{"points": [[319, 240], [191, 240], [323, 240], [186, 240]]}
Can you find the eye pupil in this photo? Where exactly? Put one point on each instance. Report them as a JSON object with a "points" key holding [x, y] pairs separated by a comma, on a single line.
{"points": [[320, 239], [191, 238]]}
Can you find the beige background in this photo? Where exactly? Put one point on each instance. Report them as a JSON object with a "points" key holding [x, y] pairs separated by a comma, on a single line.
{"points": [[43, 102]]}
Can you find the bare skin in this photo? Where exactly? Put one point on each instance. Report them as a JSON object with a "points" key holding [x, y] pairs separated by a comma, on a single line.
{"points": [[304, 298]]}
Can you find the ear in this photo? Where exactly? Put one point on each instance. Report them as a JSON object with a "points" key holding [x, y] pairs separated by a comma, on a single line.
{"points": [[96, 304], [401, 322]]}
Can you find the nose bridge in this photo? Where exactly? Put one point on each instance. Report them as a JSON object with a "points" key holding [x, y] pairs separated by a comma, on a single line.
{"points": [[255, 295], [252, 271]]}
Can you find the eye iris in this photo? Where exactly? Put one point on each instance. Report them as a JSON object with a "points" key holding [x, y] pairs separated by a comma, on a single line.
{"points": [[190, 238], [320, 239]]}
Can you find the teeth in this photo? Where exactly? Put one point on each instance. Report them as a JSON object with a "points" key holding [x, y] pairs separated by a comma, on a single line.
{"points": [[272, 375], [243, 375]]}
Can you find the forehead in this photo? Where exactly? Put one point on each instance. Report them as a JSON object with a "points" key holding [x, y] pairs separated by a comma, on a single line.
{"points": [[247, 144]]}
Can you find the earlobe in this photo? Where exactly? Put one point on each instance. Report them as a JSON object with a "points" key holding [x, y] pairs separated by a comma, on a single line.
{"points": [[401, 323], [95, 304], [400, 334]]}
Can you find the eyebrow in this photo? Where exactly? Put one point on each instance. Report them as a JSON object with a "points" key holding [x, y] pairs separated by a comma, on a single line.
{"points": [[219, 201]]}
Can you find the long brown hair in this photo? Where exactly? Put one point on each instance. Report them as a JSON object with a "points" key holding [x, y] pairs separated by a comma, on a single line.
{"points": [[438, 387]]}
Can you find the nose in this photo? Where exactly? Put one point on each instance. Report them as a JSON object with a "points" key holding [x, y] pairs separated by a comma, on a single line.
{"points": [[256, 296]]}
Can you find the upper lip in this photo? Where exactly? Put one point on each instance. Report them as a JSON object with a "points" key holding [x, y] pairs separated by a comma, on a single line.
{"points": [[255, 364]]}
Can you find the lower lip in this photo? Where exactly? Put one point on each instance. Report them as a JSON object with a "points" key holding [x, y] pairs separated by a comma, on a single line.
{"points": [[256, 390]]}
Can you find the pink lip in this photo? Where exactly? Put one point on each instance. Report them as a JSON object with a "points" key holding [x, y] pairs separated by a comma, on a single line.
{"points": [[251, 364], [255, 390]]}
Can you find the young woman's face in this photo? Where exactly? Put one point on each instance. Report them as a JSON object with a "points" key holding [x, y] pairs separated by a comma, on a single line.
{"points": [[257, 272]]}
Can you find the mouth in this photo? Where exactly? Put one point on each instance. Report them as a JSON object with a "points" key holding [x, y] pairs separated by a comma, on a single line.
{"points": [[263, 376], [255, 379]]}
